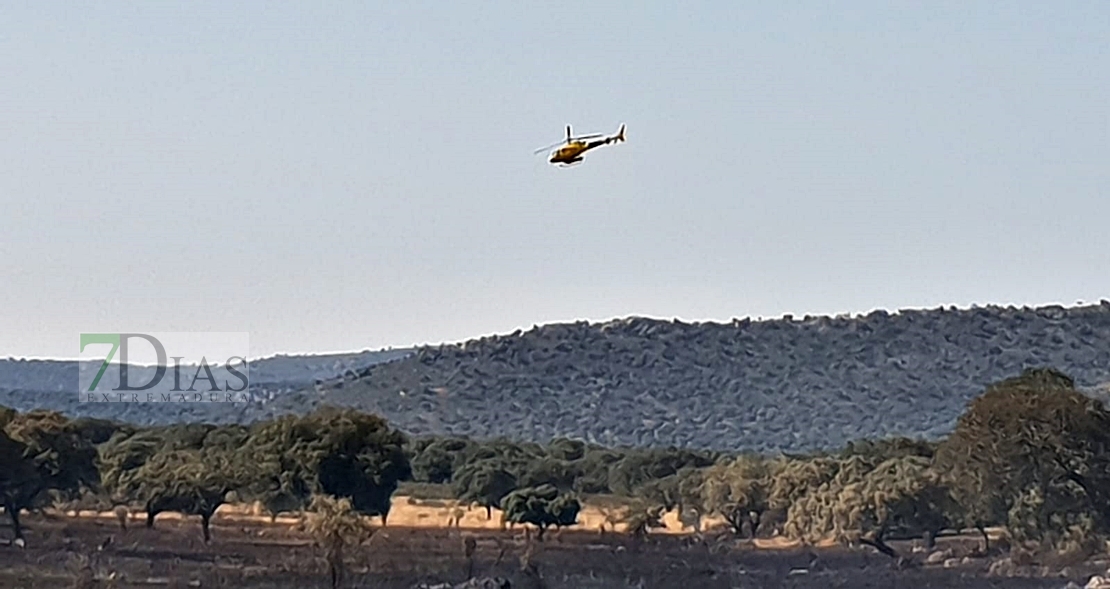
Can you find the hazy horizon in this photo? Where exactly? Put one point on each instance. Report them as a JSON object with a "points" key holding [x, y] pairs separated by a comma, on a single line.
{"points": [[352, 177]]}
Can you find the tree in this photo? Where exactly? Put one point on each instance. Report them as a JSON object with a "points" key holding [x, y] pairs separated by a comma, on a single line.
{"points": [[638, 467], [41, 452], [682, 490], [16, 474], [793, 479], [641, 517], [813, 490], [334, 451], [335, 525], [185, 469], [550, 471], [119, 459], [483, 483], [594, 470], [542, 506], [567, 449], [516, 455], [899, 495], [191, 482], [285, 480], [1032, 452], [738, 492], [436, 460]]}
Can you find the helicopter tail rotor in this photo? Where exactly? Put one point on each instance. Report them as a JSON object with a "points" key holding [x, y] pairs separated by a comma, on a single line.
{"points": [[620, 134]]}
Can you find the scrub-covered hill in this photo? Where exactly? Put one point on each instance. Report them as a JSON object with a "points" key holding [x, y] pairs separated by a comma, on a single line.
{"points": [[789, 384]]}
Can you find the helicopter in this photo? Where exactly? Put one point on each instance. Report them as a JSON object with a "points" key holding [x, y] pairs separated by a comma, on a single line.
{"points": [[574, 147]]}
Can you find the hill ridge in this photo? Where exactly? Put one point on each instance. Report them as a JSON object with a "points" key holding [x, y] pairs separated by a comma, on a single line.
{"points": [[645, 381], [782, 384]]}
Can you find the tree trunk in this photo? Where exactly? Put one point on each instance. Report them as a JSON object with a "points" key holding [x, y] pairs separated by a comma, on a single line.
{"points": [[753, 519], [878, 544], [489, 513], [13, 513], [736, 522], [205, 519], [150, 517], [930, 538], [986, 539], [539, 533], [335, 562]]}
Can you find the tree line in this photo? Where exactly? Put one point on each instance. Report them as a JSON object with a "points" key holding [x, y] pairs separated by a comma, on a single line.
{"points": [[1031, 454]]}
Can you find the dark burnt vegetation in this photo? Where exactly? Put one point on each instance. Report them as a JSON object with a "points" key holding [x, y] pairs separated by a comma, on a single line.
{"points": [[1031, 455]]}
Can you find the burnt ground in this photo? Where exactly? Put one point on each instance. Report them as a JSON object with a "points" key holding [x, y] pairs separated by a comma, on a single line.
{"points": [[256, 554]]}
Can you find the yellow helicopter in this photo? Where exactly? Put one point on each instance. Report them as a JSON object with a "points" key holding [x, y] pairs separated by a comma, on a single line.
{"points": [[573, 147]]}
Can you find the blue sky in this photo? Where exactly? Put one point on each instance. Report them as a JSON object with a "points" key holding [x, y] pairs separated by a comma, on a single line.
{"points": [[360, 175]]}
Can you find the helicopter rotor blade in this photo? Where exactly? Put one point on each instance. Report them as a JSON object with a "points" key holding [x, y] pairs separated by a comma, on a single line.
{"points": [[568, 140], [549, 147]]}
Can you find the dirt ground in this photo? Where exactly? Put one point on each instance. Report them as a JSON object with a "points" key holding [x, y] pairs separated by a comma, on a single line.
{"points": [[251, 552]]}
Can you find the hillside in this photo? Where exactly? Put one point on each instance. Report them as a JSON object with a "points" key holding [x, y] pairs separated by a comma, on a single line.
{"points": [[53, 384], [761, 385], [786, 384]]}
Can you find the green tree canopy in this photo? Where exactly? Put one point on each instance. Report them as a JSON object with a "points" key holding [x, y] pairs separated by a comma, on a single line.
{"points": [[738, 491], [42, 452], [542, 506], [483, 483], [638, 467], [1034, 452], [334, 451], [192, 482], [436, 460]]}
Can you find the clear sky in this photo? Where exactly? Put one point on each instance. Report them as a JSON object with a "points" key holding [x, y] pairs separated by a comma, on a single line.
{"points": [[360, 174]]}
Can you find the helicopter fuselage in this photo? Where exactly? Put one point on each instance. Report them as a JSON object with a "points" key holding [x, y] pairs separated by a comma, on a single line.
{"points": [[572, 152], [569, 153]]}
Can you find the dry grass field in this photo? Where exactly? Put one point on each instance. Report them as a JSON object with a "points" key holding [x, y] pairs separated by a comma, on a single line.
{"points": [[250, 551]]}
